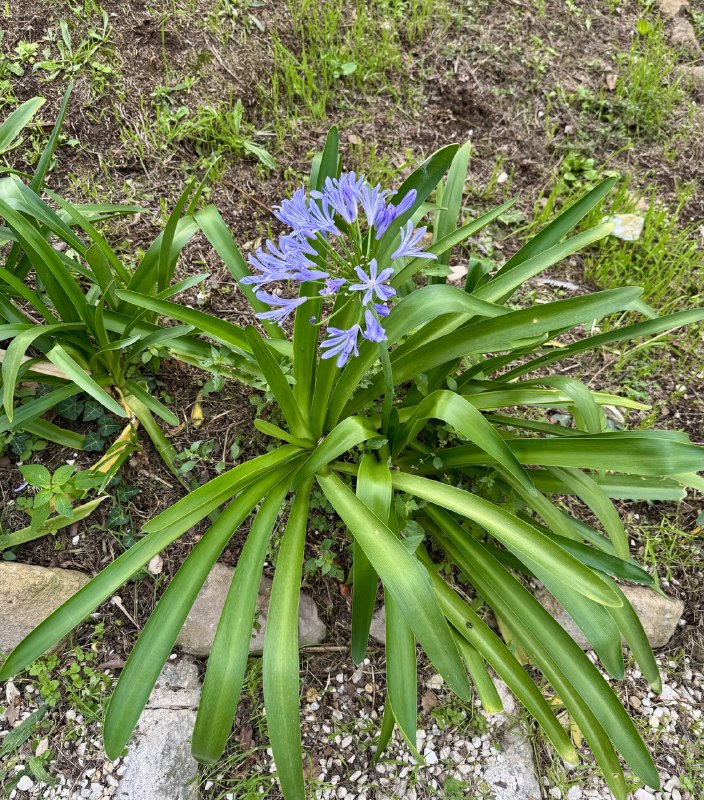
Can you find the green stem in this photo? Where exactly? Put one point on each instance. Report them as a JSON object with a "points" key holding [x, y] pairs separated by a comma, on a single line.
{"points": [[388, 387]]}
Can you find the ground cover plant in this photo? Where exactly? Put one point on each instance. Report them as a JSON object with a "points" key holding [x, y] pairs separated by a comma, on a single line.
{"points": [[391, 417], [59, 297]]}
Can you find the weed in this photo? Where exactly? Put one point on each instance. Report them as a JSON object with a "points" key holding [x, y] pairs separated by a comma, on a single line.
{"points": [[63, 56], [361, 46], [55, 492], [325, 562], [666, 260], [649, 88], [226, 17], [210, 130]]}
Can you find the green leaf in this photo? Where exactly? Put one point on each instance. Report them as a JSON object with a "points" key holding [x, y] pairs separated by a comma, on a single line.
{"points": [[159, 634], [449, 202], [557, 655], [348, 434], [519, 536], [230, 650], [637, 454], [374, 490], [36, 475], [559, 227], [219, 236], [274, 376], [499, 334], [15, 356], [403, 578], [650, 327], [423, 180], [490, 699], [202, 501], [59, 357], [105, 583], [17, 121], [280, 659], [469, 423], [154, 405], [470, 626], [219, 329]]}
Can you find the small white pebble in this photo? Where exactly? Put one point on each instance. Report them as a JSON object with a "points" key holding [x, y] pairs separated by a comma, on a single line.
{"points": [[25, 783]]}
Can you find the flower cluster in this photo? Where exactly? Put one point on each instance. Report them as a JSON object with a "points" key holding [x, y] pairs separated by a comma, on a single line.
{"points": [[334, 240]]}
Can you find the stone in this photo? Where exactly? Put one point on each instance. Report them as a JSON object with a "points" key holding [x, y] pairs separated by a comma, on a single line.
{"points": [[377, 630], [626, 226], [159, 765], [671, 8], [28, 594], [511, 773], [198, 632], [659, 615], [682, 34]]}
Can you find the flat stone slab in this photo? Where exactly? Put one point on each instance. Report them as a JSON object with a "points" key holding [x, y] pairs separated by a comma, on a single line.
{"points": [[659, 615], [511, 773], [198, 632], [28, 594], [159, 764]]}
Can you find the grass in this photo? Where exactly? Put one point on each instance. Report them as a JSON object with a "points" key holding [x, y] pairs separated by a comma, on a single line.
{"points": [[666, 260], [645, 97], [209, 130], [649, 88], [340, 44]]}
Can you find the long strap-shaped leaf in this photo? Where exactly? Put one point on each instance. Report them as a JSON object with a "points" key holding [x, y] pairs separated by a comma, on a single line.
{"points": [[104, 584], [14, 357], [280, 387], [632, 630], [635, 455], [448, 206], [504, 284], [516, 534], [423, 181], [473, 628], [469, 423], [280, 658], [35, 408], [559, 227], [446, 244], [228, 657], [651, 327], [374, 490], [219, 329], [65, 293], [486, 689], [501, 333], [404, 578], [15, 122], [348, 434], [218, 234], [199, 503], [60, 358], [413, 311], [544, 639], [592, 494], [159, 635]]}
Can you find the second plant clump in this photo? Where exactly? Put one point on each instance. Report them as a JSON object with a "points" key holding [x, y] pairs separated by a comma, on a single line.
{"points": [[416, 418]]}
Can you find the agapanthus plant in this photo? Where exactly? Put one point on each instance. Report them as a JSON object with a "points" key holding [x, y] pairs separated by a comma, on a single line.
{"points": [[438, 425], [334, 243]]}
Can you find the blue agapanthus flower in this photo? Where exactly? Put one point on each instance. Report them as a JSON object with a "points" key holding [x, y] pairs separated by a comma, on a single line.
{"points": [[334, 240]]}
